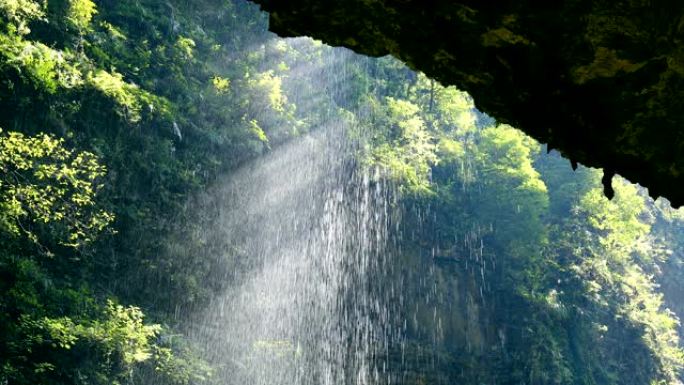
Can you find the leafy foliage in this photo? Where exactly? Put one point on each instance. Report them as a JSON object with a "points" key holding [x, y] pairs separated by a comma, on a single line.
{"points": [[45, 183], [408, 149]]}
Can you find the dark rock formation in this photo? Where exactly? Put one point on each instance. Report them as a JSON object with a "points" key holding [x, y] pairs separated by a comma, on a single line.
{"points": [[601, 81]]}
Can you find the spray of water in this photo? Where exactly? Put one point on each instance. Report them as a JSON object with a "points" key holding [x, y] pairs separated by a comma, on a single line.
{"points": [[318, 288], [305, 307]]}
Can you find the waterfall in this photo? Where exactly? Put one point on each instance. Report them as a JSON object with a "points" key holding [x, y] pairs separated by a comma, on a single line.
{"points": [[305, 304]]}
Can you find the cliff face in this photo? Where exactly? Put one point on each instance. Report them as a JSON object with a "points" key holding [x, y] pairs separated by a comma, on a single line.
{"points": [[601, 81]]}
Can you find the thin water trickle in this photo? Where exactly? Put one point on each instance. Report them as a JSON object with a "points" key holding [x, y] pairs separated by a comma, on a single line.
{"points": [[305, 307]]}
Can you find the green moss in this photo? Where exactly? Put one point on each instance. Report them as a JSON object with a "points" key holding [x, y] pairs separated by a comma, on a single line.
{"points": [[500, 37], [606, 64]]}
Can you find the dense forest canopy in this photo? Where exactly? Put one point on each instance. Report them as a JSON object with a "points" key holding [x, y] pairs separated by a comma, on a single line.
{"points": [[117, 115]]}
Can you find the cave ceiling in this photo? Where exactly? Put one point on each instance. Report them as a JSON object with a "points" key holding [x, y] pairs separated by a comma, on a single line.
{"points": [[600, 81]]}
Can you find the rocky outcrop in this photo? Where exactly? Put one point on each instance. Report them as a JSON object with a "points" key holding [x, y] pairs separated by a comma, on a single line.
{"points": [[601, 81]]}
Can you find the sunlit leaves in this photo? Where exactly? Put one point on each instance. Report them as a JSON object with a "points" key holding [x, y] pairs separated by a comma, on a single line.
{"points": [[19, 13], [185, 47], [44, 183], [123, 330], [80, 13], [406, 150], [456, 110], [270, 86], [220, 84], [614, 254], [113, 86], [508, 151], [47, 68], [618, 219], [116, 340], [130, 99], [645, 309], [506, 165], [258, 131], [450, 150]]}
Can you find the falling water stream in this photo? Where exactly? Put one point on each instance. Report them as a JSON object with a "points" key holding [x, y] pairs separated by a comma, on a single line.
{"points": [[306, 308], [318, 289]]}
